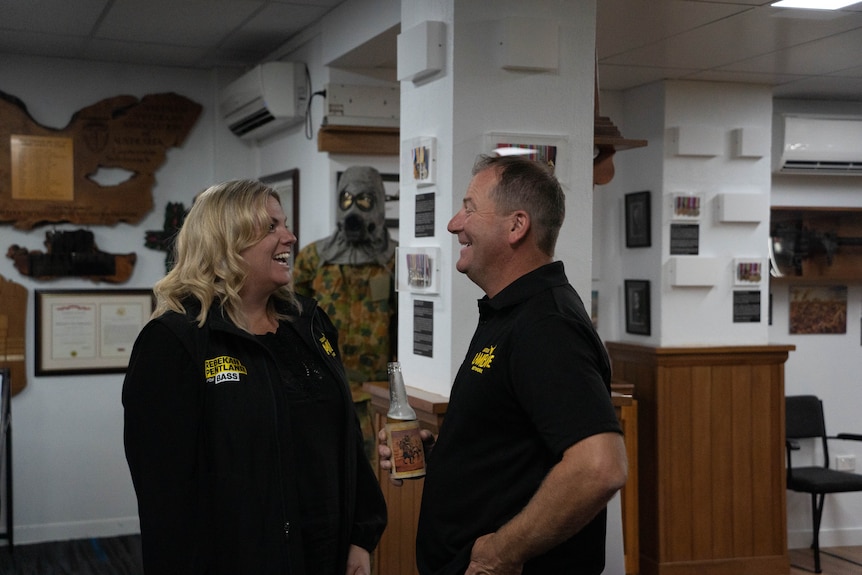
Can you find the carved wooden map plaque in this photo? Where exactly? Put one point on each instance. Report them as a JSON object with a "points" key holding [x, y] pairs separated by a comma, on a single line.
{"points": [[46, 175]]}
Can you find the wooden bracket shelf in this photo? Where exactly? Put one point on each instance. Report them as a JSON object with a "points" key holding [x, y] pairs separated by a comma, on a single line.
{"points": [[370, 140]]}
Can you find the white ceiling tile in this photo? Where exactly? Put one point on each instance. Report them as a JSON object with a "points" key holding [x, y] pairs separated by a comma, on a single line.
{"points": [[37, 44], [144, 53], [627, 24], [271, 27], [638, 41], [613, 77], [739, 37], [821, 87], [58, 16], [832, 54], [186, 23]]}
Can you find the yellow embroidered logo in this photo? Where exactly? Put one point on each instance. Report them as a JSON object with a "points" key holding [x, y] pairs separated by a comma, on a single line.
{"points": [[483, 359], [327, 347], [223, 368]]}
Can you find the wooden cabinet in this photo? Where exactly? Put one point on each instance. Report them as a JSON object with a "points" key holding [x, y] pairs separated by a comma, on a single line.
{"points": [[396, 554], [710, 457]]}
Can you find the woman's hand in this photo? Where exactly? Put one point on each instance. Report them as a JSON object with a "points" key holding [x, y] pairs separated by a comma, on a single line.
{"points": [[358, 561]]}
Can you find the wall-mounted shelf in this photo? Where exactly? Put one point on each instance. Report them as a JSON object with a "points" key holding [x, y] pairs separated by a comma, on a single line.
{"points": [[370, 140], [817, 243]]}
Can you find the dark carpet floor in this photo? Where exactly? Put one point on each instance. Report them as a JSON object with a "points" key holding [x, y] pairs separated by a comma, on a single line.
{"points": [[103, 556]]}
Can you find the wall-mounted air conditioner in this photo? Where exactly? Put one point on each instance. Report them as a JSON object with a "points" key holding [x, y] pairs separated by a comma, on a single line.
{"points": [[265, 100], [821, 146]]}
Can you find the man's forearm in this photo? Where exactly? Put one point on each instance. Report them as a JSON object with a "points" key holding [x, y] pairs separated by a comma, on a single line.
{"points": [[572, 494]]}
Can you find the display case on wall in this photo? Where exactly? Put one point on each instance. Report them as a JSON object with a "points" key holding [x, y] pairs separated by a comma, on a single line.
{"points": [[816, 243]]}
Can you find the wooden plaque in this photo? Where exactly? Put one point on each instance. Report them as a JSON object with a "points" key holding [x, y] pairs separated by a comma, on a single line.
{"points": [[46, 175]]}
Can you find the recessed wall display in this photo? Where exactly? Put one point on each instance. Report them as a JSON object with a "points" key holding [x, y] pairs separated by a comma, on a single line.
{"points": [[425, 206], [746, 306], [417, 269], [637, 301], [687, 206], [818, 309], [638, 220], [548, 149], [747, 271], [684, 239], [422, 160], [423, 328]]}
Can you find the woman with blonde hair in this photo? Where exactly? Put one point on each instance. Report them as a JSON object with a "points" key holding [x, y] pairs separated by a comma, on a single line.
{"points": [[240, 432]]}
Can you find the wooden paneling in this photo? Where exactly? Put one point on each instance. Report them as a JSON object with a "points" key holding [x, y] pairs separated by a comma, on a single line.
{"points": [[368, 140], [711, 457], [396, 553]]}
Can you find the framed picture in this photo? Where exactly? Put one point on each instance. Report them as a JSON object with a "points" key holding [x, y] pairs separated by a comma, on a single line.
{"points": [[417, 269], [637, 303], [5, 405], [748, 271], [393, 200], [421, 160], [287, 185], [638, 220], [687, 206], [88, 331]]}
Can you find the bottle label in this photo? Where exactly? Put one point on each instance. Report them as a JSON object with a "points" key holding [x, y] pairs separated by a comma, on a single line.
{"points": [[408, 455]]}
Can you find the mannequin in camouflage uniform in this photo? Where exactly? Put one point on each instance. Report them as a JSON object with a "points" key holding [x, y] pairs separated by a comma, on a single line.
{"points": [[350, 274]]}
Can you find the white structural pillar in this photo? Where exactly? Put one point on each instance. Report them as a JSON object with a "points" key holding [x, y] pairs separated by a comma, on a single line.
{"points": [[474, 72]]}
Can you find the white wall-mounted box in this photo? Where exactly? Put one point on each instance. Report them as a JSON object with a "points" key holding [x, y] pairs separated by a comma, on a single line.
{"points": [[421, 51], [752, 208], [693, 271], [531, 44], [750, 142], [697, 140]]}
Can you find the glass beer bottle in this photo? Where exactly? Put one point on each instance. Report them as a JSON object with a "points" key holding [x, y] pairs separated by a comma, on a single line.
{"points": [[402, 429]]}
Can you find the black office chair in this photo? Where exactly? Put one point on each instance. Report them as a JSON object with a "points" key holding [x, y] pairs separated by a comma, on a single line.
{"points": [[804, 420]]}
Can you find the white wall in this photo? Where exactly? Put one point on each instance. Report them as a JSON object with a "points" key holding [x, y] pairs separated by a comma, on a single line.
{"points": [[475, 96], [341, 31], [70, 474], [823, 365]]}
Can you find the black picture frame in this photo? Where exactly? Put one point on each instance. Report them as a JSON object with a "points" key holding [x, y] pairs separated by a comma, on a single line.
{"points": [[286, 183], [638, 220], [638, 316]]}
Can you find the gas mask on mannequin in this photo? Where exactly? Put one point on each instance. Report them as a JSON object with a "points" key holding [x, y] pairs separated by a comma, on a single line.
{"points": [[361, 236]]}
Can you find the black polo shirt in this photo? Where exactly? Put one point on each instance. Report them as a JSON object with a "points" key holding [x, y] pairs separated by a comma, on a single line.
{"points": [[535, 380]]}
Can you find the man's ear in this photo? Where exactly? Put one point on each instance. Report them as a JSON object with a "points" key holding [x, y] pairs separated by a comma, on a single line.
{"points": [[519, 226]]}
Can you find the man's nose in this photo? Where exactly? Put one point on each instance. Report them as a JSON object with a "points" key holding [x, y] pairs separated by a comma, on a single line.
{"points": [[454, 225]]}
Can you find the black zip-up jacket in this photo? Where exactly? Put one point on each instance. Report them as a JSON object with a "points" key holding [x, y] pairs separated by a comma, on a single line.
{"points": [[206, 458]]}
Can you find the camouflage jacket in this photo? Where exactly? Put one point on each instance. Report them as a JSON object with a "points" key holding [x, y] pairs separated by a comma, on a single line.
{"points": [[361, 301]]}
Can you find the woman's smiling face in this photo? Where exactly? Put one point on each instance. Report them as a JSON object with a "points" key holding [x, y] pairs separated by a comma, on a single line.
{"points": [[268, 260]]}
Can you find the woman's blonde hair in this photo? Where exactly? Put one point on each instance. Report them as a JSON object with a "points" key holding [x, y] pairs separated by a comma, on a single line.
{"points": [[224, 220]]}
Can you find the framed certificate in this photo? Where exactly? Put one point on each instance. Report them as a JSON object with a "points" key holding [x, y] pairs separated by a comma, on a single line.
{"points": [[88, 331]]}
